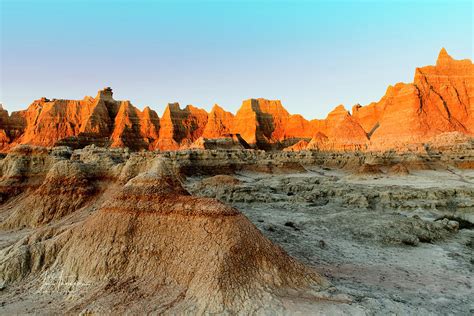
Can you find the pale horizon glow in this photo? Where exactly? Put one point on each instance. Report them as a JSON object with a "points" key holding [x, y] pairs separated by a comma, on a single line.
{"points": [[311, 55]]}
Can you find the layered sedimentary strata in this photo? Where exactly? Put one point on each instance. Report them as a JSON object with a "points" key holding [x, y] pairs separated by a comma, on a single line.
{"points": [[67, 187], [225, 142], [4, 138], [267, 124], [219, 124], [123, 234], [109, 230], [180, 126], [341, 131], [301, 145], [440, 100], [48, 121], [23, 168], [252, 124], [134, 129]]}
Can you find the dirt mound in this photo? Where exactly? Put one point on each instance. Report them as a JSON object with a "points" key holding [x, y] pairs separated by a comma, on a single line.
{"points": [[220, 179], [155, 248], [225, 143], [67, 187], [301, 145], [399, 169], [22, 169], [369, 169]]}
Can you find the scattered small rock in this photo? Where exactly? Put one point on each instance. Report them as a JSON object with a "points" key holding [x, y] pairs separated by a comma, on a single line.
{"points": [[411, 241], [270, 228], [292, 225], [453, 225]]}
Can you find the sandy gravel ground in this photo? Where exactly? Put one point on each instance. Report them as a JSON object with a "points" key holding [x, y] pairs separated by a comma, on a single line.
{"points": [[366, 250]]}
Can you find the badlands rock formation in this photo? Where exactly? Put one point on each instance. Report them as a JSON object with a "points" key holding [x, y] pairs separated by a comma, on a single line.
{"points": [[109, 231], [180, 126], [440, 100], [219, 123], [341, 130], [265, 123]]}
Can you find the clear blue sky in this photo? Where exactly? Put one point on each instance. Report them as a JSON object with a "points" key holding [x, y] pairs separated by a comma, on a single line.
{"points": [[313, 55]]}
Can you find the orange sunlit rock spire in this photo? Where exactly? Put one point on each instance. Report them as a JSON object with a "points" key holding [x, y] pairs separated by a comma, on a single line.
{"points": [[440, 99]]}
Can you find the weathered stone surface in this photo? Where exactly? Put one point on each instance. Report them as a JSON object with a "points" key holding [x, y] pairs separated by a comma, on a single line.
{"points": [[111, 231], [48, 121], [298, 127], [149, 125], [226, 142], [301, 145], [266, 124], [219, 124], [253, 125], [180, 126], [318, 142], [100, 120], [342, 130], [127, 227], [440, 100], [4, 118]]}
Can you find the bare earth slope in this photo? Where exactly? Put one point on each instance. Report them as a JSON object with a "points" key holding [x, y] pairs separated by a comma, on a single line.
{"points": [[133, 239], [394, 243]]}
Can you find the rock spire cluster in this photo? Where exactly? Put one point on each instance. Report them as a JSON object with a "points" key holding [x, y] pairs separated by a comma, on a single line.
{"points": [[440, 100]]}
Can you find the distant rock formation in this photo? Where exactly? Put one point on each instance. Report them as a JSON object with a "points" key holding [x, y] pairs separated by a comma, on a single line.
{"points": [[440, 100], [266, 124], [219, 123], [341, 130], [4, 139], [180, 126], [229, 141], [301, 145]]}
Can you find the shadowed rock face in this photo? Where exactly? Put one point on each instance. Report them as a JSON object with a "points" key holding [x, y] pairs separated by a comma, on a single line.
{"points": [[219, 124], [266, 124], [440, 100], [134, 129], [180, 126], [4, 138]]}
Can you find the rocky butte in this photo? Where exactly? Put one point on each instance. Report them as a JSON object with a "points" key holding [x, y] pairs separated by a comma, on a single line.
{"points": [[439, 100]]}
